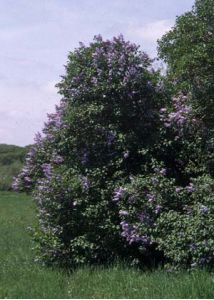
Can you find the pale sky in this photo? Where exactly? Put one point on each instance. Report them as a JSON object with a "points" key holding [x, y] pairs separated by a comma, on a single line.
{"points": [[36, 36]]}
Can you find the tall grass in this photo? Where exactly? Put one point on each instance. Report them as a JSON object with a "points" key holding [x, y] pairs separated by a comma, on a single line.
{"points": [[21, 277]]}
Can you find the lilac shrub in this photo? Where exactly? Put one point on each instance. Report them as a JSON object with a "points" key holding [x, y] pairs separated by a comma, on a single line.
{"points": [[89, 146]]}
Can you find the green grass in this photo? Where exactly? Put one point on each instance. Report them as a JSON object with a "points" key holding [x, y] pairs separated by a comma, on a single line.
{"points": [[21, 277]]}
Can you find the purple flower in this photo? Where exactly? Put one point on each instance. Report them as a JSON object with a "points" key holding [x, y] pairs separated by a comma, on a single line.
{"points": [[54, 121], [190, 188], [179, 116], [98, 38], [124, 225], [57, 159], [142, 217], [149, 84], [49, 137], [31, 153], [82, 45], [162, 110], [38, 138], [131, 235], [150, 197], [85, 183], [193, 246], [132, 199], [15, 184], [155, 180], [85, 157], [167, 124], [163, 171], [123, 213], [158, 209], [47, 169], [28, 179], [126, 154], [110, 138], [94, 80], [118, 194], [204, 209], [178, 189], [145, 239]]}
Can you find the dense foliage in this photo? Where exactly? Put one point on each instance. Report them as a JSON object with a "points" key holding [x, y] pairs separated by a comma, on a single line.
{"points": [[11, 162], [188, 51], [122, 170]]}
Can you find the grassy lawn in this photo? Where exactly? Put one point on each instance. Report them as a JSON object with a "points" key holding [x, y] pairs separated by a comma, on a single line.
{"points": [[20, 277]]}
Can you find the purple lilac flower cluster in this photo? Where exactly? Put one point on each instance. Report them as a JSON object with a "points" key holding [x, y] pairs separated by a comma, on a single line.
{"points": [[24, 181], [204, 209], [180, 117], [123, 61], [55, 121], [152, 200], [130, 233], [118, 194], [47, 170], [56, 159], [85, 183], [190, 188]]}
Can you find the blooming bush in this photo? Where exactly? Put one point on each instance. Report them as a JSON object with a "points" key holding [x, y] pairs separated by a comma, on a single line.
{"points": [[119, 170], [108, 111]]}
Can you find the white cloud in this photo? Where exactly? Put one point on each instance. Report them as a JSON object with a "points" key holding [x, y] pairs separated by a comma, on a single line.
{"points": [[150, 32]]}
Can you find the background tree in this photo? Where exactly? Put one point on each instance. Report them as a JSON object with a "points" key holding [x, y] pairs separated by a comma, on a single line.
{"points": [[11, 161], [188, 50]]}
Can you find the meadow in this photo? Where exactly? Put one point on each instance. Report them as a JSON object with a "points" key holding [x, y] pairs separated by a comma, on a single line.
{"points": [[22, 277]]}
